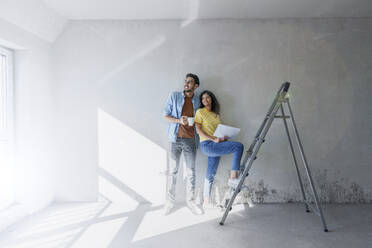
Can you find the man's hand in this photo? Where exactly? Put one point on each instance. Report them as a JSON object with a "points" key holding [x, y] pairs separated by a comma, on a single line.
{"points": [[218, 140], [183, 120], [225, 138]]}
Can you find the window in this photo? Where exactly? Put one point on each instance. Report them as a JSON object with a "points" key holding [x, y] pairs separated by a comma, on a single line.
{"points": [[6, 128], [6, 94]]}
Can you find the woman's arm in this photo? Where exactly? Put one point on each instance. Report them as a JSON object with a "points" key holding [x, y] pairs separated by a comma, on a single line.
{"points": [[202, 133]]}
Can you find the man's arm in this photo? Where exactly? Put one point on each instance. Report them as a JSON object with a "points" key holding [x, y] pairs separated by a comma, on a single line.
{"points": [[182, 120], [168, 110]]}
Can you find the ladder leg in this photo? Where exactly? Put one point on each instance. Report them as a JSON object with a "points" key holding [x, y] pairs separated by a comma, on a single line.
{"points": [[307, 169], [294, 159], [251, 159]]}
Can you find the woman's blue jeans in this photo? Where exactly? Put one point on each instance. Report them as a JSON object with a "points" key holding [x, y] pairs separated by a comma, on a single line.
{"points": [[214, 151]]}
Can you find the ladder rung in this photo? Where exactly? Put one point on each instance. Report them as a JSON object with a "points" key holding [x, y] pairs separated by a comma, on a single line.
{"points": [[257, 139], [250, 155], [282, 117]]}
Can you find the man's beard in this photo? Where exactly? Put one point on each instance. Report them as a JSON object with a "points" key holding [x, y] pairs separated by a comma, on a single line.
{"points": [[188, 91]]}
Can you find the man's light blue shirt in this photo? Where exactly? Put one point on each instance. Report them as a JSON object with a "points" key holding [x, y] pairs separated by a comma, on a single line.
{"points": [[173, 108]]}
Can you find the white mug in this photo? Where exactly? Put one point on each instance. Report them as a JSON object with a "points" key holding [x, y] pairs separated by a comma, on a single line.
{"points": [[190, 120]]}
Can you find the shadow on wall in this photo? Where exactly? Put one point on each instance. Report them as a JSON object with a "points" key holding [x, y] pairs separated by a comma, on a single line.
{"points": [[127, 156], [139, 166]]}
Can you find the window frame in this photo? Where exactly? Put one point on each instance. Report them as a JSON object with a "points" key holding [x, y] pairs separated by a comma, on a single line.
{"points": [[7, 136], [7, 133]]}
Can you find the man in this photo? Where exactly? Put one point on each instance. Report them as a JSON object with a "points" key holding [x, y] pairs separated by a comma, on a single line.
{"points": [[183, 138]]}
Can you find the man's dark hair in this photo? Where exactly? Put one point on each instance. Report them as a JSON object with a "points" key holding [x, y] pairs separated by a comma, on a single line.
{"points": [[215, 105], [196, 78]]}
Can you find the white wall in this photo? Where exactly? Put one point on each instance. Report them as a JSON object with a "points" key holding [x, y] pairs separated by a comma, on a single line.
{"points": [[34, 122], [113, 77], [34, 152]]}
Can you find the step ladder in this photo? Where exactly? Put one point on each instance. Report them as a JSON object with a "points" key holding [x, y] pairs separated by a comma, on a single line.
{"points": [[281, 98]]}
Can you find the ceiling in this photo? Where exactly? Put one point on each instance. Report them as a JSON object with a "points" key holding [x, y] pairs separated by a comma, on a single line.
{"points": [[34, 16], [47, 18], [208, 9]]}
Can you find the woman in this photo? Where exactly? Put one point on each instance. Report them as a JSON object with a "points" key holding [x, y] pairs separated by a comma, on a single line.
{"points": [[206, 121]]}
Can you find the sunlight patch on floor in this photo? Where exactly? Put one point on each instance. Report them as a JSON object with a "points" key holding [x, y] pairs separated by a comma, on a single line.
{"points": [[178, 219], [106, 231]]}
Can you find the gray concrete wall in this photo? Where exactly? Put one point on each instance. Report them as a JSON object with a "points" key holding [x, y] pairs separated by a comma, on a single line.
{"points": [[112, 79]]}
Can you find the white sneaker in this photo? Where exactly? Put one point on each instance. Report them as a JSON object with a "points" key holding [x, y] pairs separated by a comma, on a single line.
{"points": [[168, 208], [234, 183], [194, 208], [208, 205]]}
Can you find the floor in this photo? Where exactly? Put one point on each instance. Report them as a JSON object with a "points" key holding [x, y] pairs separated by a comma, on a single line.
{"points": [[103, 224]]}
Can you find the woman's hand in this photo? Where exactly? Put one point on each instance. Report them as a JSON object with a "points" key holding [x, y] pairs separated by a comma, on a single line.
{"points": [[218, 140], [225, 138]]}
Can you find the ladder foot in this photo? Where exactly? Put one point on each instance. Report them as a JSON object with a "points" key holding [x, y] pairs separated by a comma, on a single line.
{"points": [[326, 230], [221, 223], [307, 211]]}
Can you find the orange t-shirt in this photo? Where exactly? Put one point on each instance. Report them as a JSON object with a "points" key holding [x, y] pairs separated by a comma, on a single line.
{"points": [[187, 110]]}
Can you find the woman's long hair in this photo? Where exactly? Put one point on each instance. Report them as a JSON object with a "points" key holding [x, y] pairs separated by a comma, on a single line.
{"points": [[215, 105]]}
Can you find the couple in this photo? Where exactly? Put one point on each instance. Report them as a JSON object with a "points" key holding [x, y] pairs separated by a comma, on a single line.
{"points": [[183, 138]]}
